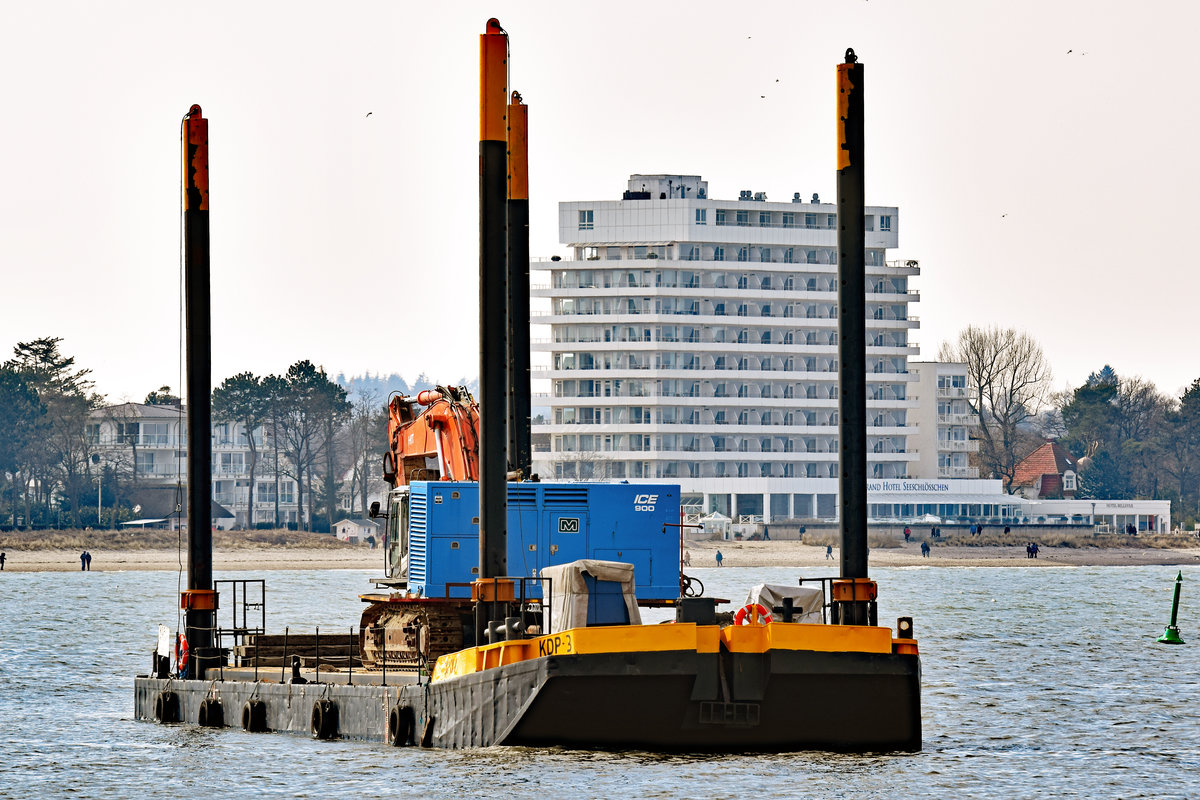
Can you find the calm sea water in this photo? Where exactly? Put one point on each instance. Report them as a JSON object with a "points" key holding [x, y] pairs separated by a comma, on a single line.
{"points": [[1037, 682]]}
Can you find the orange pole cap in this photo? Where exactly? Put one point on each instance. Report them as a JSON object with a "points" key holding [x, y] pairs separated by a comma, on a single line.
{"points": [[493, 83]]}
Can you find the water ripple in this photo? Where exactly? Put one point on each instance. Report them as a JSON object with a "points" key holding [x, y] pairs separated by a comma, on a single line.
{"points": [[1036, 683]]}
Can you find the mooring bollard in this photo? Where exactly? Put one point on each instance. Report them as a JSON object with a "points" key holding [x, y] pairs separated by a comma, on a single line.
{"points": [[1171, 634]]}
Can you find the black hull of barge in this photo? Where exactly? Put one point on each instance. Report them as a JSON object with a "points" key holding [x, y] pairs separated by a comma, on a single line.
{"points": [[684, 701]]}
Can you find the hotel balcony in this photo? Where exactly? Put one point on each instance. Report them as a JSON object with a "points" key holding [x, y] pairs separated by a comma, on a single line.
{"points": [[958, 472]]}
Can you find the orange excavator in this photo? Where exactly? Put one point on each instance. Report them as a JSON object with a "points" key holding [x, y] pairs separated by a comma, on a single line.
{"points": [[439, 442]]}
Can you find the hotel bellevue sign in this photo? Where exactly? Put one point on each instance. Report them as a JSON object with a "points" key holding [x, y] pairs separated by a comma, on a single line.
{"points": [[908, 486]]}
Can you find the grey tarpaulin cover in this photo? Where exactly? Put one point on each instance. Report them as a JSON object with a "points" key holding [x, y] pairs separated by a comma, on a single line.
{"points": [[569, 600], [807, 600]]}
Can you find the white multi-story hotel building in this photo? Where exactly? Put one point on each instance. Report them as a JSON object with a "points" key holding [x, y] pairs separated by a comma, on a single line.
{"points": [[943, 421], [694, 340]]}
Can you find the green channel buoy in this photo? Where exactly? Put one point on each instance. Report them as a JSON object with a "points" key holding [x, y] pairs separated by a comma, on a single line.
{"points": [[1171, 634]]}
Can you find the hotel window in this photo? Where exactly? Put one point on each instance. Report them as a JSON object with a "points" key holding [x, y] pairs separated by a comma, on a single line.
{"points": [[868, 222], [718, 252], [789, 256], [764, 219], [721, 217], [743, 218], [586, 220], [885, 222], [156, 433], [743, 254], [764, 254], [693, 253], [810, 220], [789, 220], [701, 216]]}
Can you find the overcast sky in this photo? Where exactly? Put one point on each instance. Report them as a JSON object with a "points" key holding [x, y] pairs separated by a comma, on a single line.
{"points": [[1043, 156]]}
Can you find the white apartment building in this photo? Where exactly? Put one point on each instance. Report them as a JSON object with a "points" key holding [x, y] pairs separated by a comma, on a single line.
{"points": [[147, 446], [694, 341], [943, 421]]}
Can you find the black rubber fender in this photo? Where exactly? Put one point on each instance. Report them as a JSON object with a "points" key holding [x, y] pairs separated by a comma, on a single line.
{"points": [[254, 716], [427, 732], [166, 706], [402, 724], [211, 714], [324, 719]]}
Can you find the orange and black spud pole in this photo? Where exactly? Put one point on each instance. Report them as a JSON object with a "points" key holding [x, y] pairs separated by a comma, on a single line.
{"points": [[199, 601], [493, 302], [852, 337], [520, 450]]}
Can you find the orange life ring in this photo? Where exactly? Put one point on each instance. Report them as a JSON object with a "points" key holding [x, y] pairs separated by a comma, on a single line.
{"points": [[750, 612], [181, 654]]}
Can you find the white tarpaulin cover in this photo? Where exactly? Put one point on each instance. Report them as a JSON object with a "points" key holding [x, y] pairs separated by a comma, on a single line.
{"points": [[569, 600], [164, 641], [807, 600]]}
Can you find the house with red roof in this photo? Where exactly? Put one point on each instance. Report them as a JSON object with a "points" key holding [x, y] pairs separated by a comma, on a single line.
{"points": [[1048, 473]]}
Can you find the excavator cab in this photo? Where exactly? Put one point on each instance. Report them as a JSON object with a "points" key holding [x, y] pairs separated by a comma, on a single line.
{"points": [[396, 536]]}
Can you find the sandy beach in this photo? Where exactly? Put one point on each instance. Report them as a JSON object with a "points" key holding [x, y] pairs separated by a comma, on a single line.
{"points": [[788, 554], [703, 554], [280, 557]]}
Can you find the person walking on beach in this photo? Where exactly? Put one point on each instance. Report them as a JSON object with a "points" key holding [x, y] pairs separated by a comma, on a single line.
{"points": [[907, 534], [925, 549], [89, 561], [720, 558], [828, 552], [83, 561], [1033, 549], [3, 556], [687, 558]]}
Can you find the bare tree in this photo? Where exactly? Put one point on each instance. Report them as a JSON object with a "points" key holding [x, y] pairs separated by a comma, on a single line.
{"points": [[1008, 379], [243, 399], [366, 440], [585, 465]]}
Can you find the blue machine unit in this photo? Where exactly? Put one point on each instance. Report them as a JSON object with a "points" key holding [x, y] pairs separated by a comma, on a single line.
{"points": [[548, 523]]}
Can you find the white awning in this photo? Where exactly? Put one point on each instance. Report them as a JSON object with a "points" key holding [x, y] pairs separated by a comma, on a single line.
{"points": [[621, 244], [926, 498]]}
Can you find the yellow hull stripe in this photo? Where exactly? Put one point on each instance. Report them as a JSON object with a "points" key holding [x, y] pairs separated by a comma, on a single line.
{"points": [[662, 638]]}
